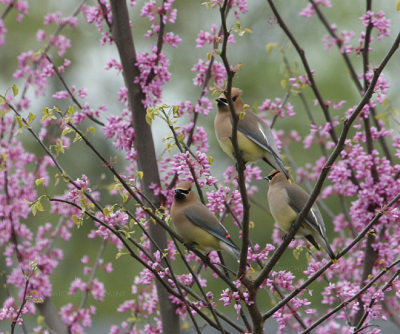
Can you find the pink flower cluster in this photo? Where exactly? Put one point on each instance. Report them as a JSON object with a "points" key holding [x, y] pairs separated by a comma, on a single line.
{"points": [[21, 7], [121, 128], [277, 108], [205, 37], [183, 165], [96, 15], [309, 10], [3, 32], [378, 21], [218, 73], [344, 40]]}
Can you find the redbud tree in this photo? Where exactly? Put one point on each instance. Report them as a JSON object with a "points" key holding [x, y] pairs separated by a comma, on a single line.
{"points": [[51, 196]]}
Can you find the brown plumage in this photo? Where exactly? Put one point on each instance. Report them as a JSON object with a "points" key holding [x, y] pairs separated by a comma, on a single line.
{"points": [[286, 200], [195, 223], [255, 138]]}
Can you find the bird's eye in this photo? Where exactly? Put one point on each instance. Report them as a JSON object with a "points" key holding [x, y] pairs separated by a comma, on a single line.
{"points": [[234, 98], [271, 176]]}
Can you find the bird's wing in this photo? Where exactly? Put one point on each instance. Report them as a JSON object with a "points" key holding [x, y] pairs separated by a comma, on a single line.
{"points": [[258, 132], [200, 216], [297, 199]]}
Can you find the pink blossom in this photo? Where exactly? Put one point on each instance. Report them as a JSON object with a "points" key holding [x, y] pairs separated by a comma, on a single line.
{"points": [[278, 108], [378, 21], [210, 38], [309, 10], [218, 73]]}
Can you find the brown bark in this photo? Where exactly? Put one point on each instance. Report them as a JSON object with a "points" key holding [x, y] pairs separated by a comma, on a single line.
{"points": [[52, 319], [144, 144]]}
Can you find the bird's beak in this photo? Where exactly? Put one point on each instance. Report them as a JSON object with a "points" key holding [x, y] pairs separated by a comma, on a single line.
{"points": [[222, 102]]}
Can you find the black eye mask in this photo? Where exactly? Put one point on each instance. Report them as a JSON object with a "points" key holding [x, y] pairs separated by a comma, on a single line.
{"points": [[270, 177], [181, 193]]}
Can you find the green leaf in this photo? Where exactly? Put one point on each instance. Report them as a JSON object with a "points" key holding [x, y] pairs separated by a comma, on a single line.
{"points": [[66, 131], [119, 254], [398, 5], [175, 110], [31, 117], [270, 47], [15, 90], [70, 110], [181, 137], [92, 130], [106, 212], [60, 145], [39, 182], [19, 121], [39, 206], [149, 116]]}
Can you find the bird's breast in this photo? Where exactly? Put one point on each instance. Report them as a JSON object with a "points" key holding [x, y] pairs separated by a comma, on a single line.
{"points": [[283, 214]]}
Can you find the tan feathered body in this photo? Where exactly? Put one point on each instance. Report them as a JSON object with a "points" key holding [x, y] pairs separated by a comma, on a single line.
{"points": [[195, 223], [255, 138], [286, 200], [223, 131]]}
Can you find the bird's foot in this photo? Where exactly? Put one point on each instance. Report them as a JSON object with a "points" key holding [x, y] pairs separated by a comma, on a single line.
{"points": [[191, 245], [206, 259]]}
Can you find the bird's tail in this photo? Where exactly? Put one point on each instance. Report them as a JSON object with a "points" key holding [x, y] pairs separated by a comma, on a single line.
{"points": [[322, 240], [329, 251], [231, 249], [275, 162]]}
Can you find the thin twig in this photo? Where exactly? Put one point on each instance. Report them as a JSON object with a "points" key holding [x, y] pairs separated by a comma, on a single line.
{"points": [[325, 170], [349, 300], [372, 302], [70, 94], [317, 274], [353, 73], [307, 68]]}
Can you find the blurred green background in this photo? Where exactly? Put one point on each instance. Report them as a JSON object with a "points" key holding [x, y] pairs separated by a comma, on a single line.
{"points": [[259, 78]]}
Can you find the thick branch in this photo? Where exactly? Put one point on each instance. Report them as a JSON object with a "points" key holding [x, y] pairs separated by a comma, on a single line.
{"points": [[143, 143]]}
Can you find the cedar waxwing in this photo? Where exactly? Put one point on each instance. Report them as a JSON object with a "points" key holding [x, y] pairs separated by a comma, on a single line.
{"points": [[255, 138], [286, 200], [195, 223]]}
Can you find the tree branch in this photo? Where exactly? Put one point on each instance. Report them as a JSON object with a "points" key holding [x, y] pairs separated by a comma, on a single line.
{"points": [[338, 256], [144, 144], [310, 76], [325, 170], [353, 73], [349, 300]]}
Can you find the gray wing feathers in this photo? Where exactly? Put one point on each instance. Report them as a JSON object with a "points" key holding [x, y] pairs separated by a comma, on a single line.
{"points": [[258, 132], [208, 222], [297, 198]]}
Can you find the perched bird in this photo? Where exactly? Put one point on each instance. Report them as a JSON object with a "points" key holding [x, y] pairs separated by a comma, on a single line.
{"points": [[286, 200], [195, 223], [255, 139]]}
